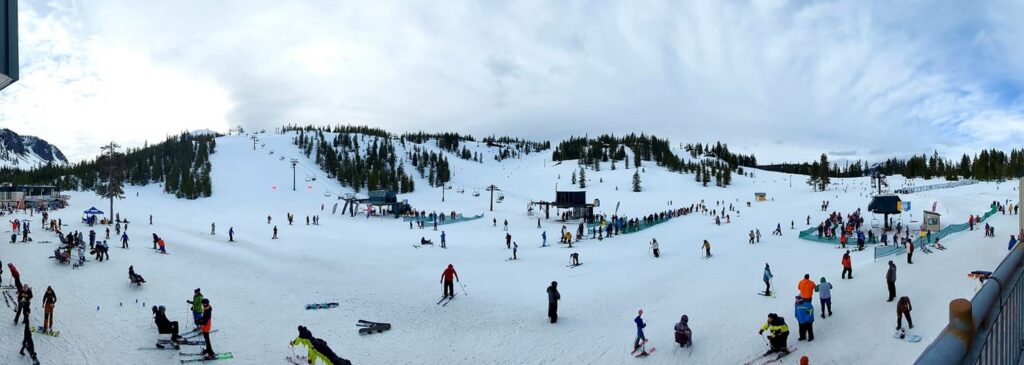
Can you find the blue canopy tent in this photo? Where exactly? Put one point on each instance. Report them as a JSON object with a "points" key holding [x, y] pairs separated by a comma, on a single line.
{"points": [[93, 210]]}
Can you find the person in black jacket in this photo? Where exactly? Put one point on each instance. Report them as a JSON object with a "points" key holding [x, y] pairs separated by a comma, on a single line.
{"points": [[24, 303], [164, 325], [890, 280], [49, 301], [204, 324], [553, 297], [28, 344]]}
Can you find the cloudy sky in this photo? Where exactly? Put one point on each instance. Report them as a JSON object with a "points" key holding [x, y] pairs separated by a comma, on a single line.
{"points": [[786, 80]]}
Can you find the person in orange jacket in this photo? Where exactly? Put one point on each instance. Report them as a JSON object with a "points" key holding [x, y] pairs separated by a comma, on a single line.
{"points": [[847, 265], [842, 240], [806, 287]]}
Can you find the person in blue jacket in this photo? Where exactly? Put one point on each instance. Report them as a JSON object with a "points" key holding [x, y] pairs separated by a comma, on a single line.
{"points": [[640, 338], [1013, 242], [767, 280], [805, 317]]}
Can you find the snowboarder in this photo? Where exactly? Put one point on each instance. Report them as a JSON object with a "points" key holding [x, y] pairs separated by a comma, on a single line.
{"points": [[49, 301], [124, 240], [575, 257], [206, 322], [903, 308], [778, 332], [274, 237], [231, 234], [654, 248], [442, 240], [446, 278], [640, 338], [197, 305], [847, 265], [767, 278], [707, 249], [890, 280], [553, 297], [805, 318], [684, 336], [824, 290], [806, 287], [164, 325]]}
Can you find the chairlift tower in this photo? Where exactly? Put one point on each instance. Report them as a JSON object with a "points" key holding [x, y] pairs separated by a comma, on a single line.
{"points": [[294, 162], [492, 189]]}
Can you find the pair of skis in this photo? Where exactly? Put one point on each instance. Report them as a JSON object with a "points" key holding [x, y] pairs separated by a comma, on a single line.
{"points": [[217, 356], [445, 300], [573, 266], [322, 305], [644, 352], [367, 327], [769, 359]]}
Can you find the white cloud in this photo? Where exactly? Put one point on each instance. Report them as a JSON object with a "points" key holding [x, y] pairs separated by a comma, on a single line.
{"points": [[787, 80]]}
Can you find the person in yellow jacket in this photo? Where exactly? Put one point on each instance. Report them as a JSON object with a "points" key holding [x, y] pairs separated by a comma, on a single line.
{"points": [[305, 338], [778, 332]]}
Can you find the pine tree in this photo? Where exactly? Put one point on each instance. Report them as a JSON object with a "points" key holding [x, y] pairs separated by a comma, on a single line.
{"points": [[636, 181], [583, 178], [573, 177]]}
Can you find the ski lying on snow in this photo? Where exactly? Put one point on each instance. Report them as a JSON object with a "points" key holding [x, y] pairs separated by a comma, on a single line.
{"points": [[646, 353], [219, 356], [297, 360], [157, 348]]}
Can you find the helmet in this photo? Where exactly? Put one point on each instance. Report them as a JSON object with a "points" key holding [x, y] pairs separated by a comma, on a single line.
{"points": [[206, 301], [161, 308]]}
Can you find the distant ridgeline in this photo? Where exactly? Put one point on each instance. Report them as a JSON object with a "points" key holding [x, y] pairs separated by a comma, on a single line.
{"points": [[988, 165], [361, 157], [707, 162], [181, 162]]}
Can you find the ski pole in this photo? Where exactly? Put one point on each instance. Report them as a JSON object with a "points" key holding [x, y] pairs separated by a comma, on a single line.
{"points": [[765, 340], [463, 288]]}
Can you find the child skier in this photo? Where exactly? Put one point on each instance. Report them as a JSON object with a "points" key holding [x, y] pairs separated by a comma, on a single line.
{"points": [[684, 336], [767, 278], [640, 338]]}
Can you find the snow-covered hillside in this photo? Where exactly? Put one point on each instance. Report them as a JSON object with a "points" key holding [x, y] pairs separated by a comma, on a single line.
{"points": [[27, 152], [259, 287]]}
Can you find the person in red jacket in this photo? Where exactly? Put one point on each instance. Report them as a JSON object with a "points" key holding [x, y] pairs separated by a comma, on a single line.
{"points": [[806, 287], [446, 278], [847, 265]]}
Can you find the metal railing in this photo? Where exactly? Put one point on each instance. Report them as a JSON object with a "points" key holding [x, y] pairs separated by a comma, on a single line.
{"points": [[1001, 342]]}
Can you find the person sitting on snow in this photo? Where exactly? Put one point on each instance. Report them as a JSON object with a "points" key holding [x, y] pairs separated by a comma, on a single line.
{"points": [[133, 277], [425, 241], [684, 337], [165, 326]]}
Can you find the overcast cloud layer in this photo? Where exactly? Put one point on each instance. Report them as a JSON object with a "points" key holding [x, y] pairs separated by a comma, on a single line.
{"points": [[785, 80]]}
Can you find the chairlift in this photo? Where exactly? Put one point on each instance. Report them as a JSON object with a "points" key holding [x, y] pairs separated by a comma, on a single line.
{"points": [[281, 158], [271, 152], [476, 192], [461, 190], [327, 193]]}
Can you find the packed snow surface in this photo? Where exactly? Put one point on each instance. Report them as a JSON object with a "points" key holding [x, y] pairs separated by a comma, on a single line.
{"points": [[259, 287]]}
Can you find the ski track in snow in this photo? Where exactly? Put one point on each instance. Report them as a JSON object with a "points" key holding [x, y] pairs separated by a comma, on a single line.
{"points": [[259, 287]]}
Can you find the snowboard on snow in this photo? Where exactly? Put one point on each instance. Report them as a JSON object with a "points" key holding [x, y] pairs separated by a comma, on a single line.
{"points": [[50, 333], [219, 356], [899, 335], [322, 305], [770, 358]]}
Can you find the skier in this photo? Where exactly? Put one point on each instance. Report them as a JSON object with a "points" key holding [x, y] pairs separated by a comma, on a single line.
{"points": [[160, 243], [49, 301], [654, 247], [442, 240], [274, 237], [197, 305], [903, 308], [890, 280], [213, 228], [767, 278], [506, 224], [847, 265], [778, 332], [124, 240], [751, 237], [494, 222], [575, 257], [515, 248], [164, 325], [553, 297], [757, 235], [508, 240], [306, 338], [446, 278], [231, 234], [206, 322], [707, 249], [544, 239], [806, 287], [133, 277], [150, 219], [268, 218], [640, 338], [684, 336], [825, 296], [805, 318], [155, 239]]}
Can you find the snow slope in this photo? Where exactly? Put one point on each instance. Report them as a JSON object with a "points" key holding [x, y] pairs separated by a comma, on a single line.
{"points": [[259, 287]]}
